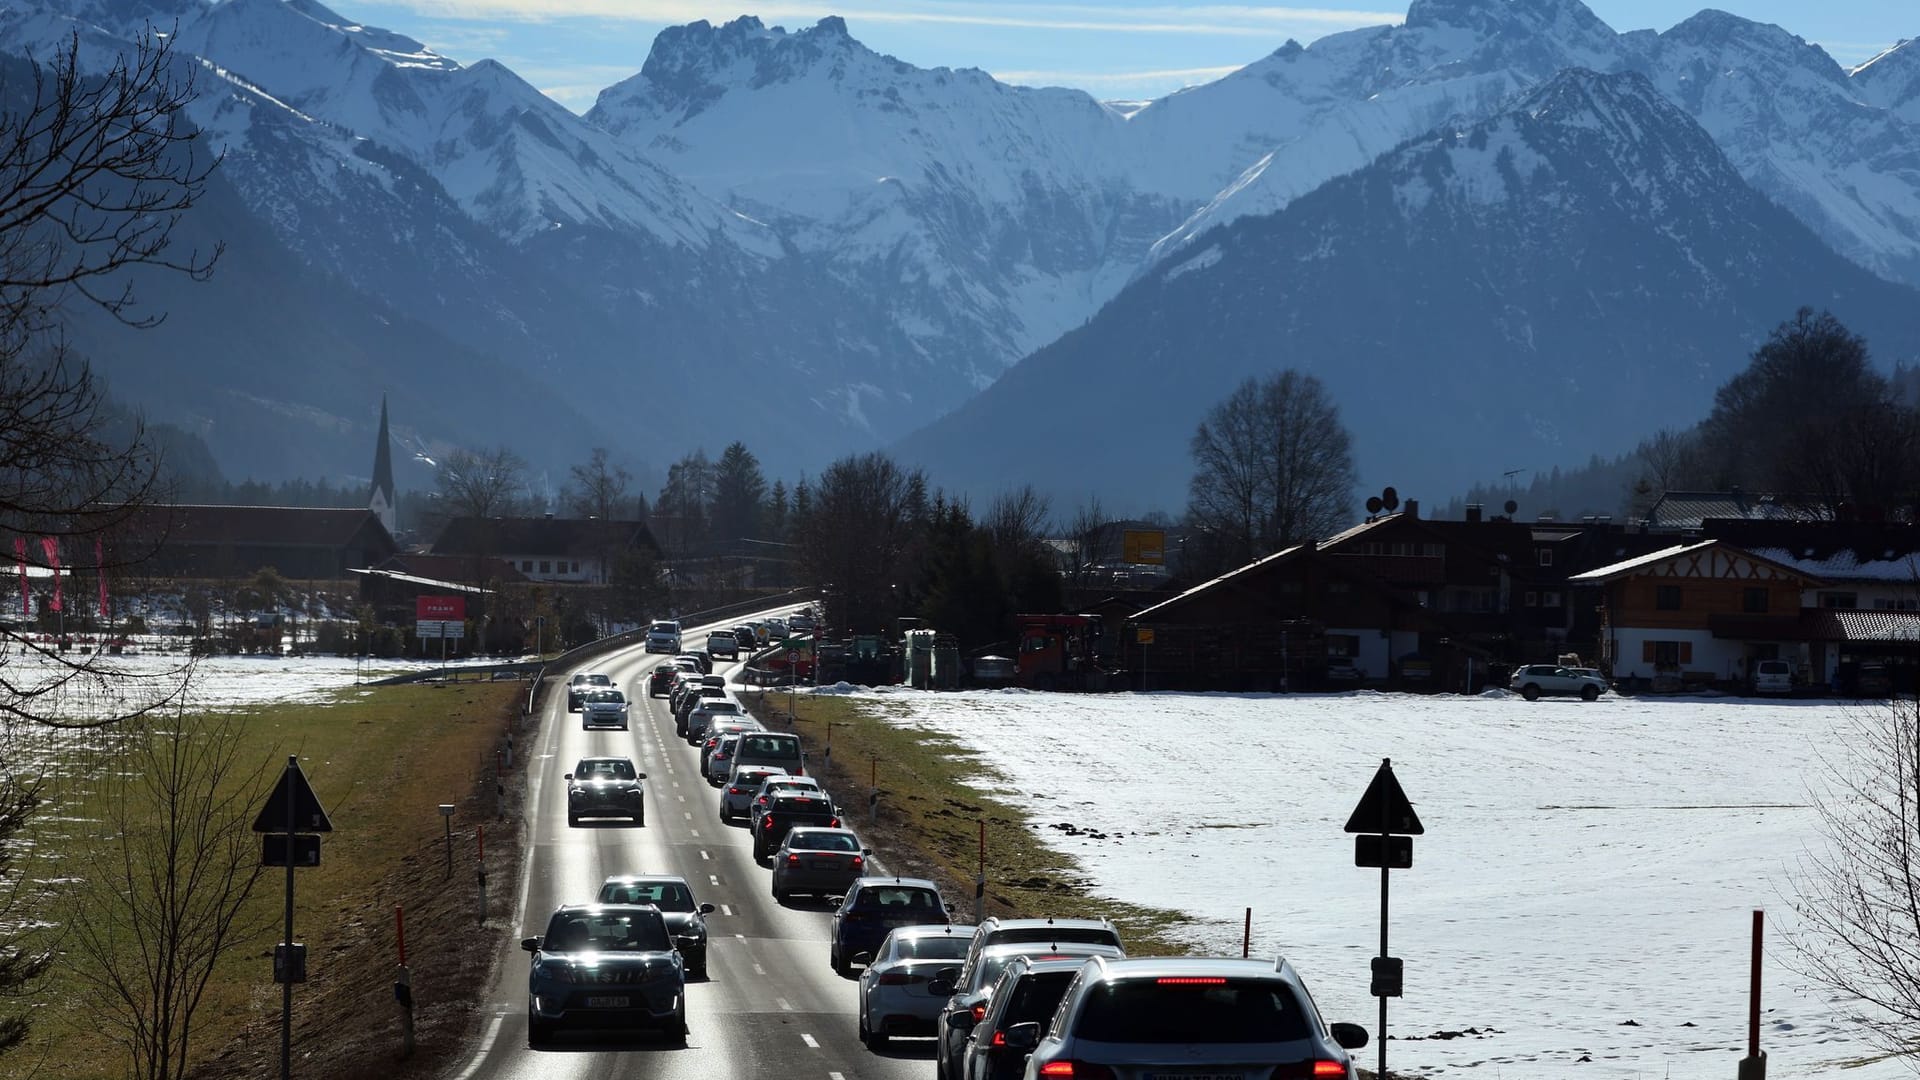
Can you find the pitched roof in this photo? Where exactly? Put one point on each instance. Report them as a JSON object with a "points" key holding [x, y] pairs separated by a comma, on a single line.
{"points": [[285, 526], [541, 536], [1830, 624], [1230, 575], [1680, 510], [451, 567], [382, 459], [1628, 567]]}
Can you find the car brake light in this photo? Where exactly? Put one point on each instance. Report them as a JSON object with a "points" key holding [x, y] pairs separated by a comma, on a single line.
{"points": [[858, 861], [1324, 1067], [979, 1013], [895, 978], [1076, 1070], [999, 1038], [793, 859], [834, 823], [1191, 980], [767, 822]]}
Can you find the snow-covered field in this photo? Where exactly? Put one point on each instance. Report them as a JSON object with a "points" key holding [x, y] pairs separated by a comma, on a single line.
{"points": [[1582, 897]]}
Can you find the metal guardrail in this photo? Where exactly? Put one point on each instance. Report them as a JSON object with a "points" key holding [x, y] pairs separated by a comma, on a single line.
{"points": [[627, 638]]}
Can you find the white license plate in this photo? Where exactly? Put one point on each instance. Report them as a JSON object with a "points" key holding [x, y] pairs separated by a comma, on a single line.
{"points": [[623, 1002], [825, 864]]}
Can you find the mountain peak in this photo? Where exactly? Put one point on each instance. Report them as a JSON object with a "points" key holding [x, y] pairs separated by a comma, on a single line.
{"points": [[693, 64], [1496, 16], [1891, 80]]}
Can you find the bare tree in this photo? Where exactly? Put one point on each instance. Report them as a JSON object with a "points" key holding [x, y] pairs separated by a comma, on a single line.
{"points": [[1860, 895], [596, 489], [1017, 521], [1084, 532], [1273, 466], [851, 529], [166, 884], [481, 484], [1670, 459]]}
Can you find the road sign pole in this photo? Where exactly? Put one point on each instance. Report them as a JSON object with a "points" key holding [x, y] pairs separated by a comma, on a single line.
{"points": [[286, 986], [1383, 955]]}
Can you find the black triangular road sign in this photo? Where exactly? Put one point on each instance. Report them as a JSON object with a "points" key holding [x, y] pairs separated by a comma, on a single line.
{"points": [[1384, 808], [307, 815]]}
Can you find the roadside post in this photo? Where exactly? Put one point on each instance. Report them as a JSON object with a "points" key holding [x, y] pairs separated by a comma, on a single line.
{"points": [[403, 983], [980, 880], [873, 791], [1754, 1065], [289, 825], [446, 814], [1246, 936], [480, 853], [1384, 825]]}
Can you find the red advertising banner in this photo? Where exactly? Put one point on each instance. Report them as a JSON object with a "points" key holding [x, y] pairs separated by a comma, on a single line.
{"points": [[440, 608]]}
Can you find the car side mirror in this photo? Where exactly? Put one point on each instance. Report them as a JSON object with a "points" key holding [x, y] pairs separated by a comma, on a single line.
{"points": [[1350, 1036], [530, 944], [943, 987], [639, 776], [866, 851], [706, 909], [863, 958], [1023, 1036], [568, 776]]}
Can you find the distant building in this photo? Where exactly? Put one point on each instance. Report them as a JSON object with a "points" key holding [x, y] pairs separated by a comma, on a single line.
{"points": [[235, 541], [570, 550], [381, 500]]}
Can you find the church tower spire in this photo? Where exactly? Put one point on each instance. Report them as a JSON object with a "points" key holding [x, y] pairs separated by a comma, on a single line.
{"points": [[381, 499]]}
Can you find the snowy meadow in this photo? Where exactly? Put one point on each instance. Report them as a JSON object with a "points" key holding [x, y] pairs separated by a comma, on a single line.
{"points": [[1580, 904]]}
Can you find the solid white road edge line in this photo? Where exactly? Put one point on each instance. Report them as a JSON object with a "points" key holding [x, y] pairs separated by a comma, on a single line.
{"points": [[486, 1047]]}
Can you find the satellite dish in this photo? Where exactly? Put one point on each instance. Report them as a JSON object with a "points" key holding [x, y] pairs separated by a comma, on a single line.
{"points": [[1390, 499], [1374, 504], [1512, 507]]}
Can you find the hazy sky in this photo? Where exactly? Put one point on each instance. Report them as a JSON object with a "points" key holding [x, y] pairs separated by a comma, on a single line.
{"points": [[1120, 49]]}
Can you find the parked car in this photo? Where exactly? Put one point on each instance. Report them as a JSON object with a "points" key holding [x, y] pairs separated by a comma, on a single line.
{"points": [[779, 748], [1535, 680], [874, 907], [1772, 677], [608, 966], [787, 811], [741, 787], [1187, 1016], [603, 707], [971, 990], [581, 683], [606, 787], [800, 623], [1873, 680], [663, 635], [822, 862], [660, 680], [895, 998], [686, 917], [1027, 992], [723, 643]]}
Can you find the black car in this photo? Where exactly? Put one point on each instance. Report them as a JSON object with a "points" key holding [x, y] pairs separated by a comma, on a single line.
{"points": [[783, 812], [606, 787], [605, 966], [686, 918], [661, 680]]}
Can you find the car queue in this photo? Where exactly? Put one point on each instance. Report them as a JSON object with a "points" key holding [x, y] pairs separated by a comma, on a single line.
{"points": [[1029, 998]]}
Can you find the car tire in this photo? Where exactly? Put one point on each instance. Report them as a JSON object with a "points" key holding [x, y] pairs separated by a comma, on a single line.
{"points": [[875, 1040], [539, 1032], [726, 816], [573, 821], [1530, 692], [779, 895], [1589, 693], [677, 1034], [640, 820]]}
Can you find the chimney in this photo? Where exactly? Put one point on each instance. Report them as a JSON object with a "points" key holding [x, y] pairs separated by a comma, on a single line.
{"points": [[1412, 508], [1473, 512]]}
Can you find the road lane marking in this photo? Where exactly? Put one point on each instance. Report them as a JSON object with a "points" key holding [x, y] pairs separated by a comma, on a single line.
{"points": [[688, 814], [808, 1039], [486, 1048], [682, 798], [785, 1005], [726, 909], [695, 832], [704, 855], [758, 970], [835, 1076]]}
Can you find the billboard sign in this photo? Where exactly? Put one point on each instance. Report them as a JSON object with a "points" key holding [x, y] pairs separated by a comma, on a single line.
{"points": [[1148, 546], [440, 608]]}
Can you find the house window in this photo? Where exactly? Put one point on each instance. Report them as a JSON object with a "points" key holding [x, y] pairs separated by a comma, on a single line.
{"points": [[1666, 597], [1546, 556], [576, 567], [1550, 599], [1533, 598], [546, 566], [1839, 600], [1342, 646], [526, 566], [1753, 601], [1666, 654]]}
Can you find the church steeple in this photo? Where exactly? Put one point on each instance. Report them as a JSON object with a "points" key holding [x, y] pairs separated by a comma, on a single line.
{"points": [[381, 500]]}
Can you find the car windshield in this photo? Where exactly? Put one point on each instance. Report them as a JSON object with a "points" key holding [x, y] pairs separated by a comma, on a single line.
{"points": [[770, 746], [823, 841], [604, 697], [786, 787], [606, 932], [895, 898], [931, 947], [1098, 935], [665, 895], [604, 769], [594, 679], [1035, 997], [664, 628], [1228, 1010], [721, 707]]}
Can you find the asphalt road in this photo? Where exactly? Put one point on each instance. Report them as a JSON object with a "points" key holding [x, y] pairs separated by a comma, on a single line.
{"points": [[769, 1007]]}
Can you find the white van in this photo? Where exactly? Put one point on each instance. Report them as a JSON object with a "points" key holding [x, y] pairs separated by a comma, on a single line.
{"points": [[1772, 677], [663, 636]]}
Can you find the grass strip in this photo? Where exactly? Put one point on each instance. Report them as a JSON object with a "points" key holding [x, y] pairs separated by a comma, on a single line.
{"points": [[931, 806], [381, 760]]}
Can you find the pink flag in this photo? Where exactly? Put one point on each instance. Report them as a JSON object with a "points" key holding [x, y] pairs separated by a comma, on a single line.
{"points": [[100, 564], [52, 549], [26, 593]]}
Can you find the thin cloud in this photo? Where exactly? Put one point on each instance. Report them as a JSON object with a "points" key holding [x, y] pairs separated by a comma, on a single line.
{"points": [[1209, 19], [1116, 78]]}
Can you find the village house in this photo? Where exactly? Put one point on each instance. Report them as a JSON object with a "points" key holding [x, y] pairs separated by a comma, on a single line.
{"points": [[580, 551], [301, 543]]}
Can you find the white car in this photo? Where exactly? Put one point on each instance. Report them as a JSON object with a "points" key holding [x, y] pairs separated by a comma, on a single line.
{"points": [[723, 643], [701, 717], [741, 787], [1535, 680], [603, 707], [1772, 677], [896, 993]]}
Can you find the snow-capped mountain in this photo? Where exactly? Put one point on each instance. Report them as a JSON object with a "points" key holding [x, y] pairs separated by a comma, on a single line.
{"points": [[1506, 292], [1891, 80]]}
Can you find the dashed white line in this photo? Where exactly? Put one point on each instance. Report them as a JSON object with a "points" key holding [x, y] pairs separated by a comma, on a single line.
{"points": [[695, 832], [682, 798], [785, 1005], [726, 909], [742, 937], [808, 1039], [688, 814], [704, 855], [835, 1076], [758, 970], [715, 879]]}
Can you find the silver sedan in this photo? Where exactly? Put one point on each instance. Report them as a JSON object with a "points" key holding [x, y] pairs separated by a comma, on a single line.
{"points": [[894, 995]]}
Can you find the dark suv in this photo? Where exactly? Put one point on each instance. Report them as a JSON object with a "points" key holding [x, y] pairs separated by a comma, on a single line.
{"points": [[969, 993], [605, 965], [873, 907], [782, 813]]}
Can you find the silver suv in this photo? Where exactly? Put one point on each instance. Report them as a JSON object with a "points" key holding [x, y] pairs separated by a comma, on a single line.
{"points": [[1187, 1016], [1534, 680]]}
